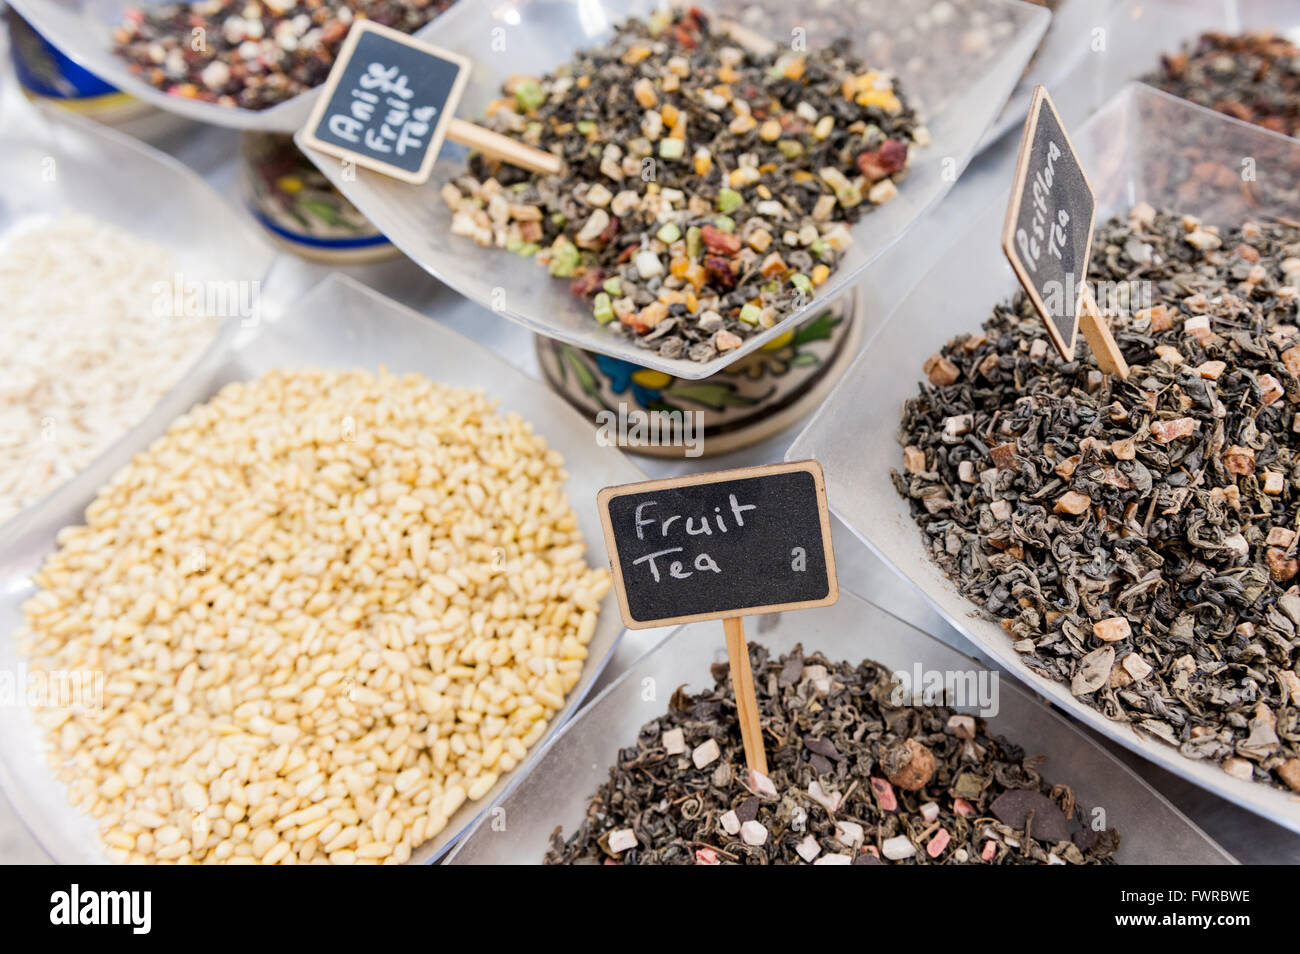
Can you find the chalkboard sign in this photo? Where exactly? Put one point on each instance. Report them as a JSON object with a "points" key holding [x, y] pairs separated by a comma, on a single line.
{"points": [[1048, 232], [726, 544], [387, 102]]}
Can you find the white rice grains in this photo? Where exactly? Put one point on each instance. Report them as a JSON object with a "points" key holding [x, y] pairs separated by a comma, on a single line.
{"points": [[90, 346], [328, 608]]}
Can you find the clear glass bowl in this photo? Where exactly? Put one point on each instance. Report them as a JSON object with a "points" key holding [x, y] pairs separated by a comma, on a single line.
{"points": [[577, 760], [338, 324], [54, 163], [83, 31], [1142, 146], [960, 95]]}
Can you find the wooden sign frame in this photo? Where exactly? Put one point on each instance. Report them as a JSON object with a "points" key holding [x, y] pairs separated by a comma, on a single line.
{"points": [[810, 467], [446, 115], [1066, 348]]}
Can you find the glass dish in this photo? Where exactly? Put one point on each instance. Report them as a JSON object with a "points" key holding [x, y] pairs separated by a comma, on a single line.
{"points": [[1064, 49], [537, 35], [1142, 146], [1136, 33], [1141, 31], [338, 324], [577, 760], [56, 162], [83, 31]]}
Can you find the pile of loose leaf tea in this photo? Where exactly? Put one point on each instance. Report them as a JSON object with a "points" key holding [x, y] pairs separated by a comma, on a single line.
{"points": [[250, 53], [856, 778], [1254, 77], [709, 186], [1137, 539]]}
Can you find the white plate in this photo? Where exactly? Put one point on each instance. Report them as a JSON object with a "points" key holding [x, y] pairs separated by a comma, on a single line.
{"points": [[1128, 149], [54, 163], [83, 31], [339, 324], [555, 793], [506, 37]]}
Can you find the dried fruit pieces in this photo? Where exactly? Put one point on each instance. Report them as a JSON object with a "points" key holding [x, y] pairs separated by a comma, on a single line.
{"points": [[715, 183]]}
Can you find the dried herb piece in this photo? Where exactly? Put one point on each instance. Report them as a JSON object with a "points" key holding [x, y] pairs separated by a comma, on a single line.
{"points": [[1140, 544], [708, 188], [1033, 812], [830, 730]]}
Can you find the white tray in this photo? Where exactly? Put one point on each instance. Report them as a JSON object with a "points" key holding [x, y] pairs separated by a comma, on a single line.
{"points": [[1127, 149], [540, 35], [54, 162], [555, 793], [339, 324], [1140, 32], [83, 31]]}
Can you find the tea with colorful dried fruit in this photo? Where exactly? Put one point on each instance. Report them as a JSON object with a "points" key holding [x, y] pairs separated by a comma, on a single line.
{"points": [[708, 188]]}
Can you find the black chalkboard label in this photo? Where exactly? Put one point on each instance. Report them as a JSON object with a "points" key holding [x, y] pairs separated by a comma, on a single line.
{"points": [[719, 545], [1048, 232], [387, 102]]}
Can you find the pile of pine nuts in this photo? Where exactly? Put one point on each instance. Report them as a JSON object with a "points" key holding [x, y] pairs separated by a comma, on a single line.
{"points": [[329, 608]]}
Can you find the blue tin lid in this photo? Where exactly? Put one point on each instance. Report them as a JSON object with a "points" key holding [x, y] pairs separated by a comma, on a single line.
{"points": [[45, 71]]}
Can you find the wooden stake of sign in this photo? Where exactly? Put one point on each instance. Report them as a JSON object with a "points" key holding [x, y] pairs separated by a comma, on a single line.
{"points": [[508, 150], [742, 682], [751, 40], [389, 102], [1097, 333], [722, 546]]}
